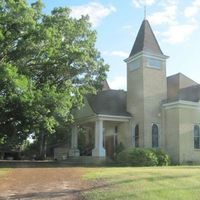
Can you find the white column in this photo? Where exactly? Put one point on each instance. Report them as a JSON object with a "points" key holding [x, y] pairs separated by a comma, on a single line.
{"points": [[99, 151], [74, 142]]}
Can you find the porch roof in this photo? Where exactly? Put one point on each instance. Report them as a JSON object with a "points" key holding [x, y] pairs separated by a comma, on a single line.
{"points": [[109, 102]]}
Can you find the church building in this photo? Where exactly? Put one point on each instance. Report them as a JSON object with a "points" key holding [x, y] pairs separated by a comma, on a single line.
{"points": [[156, 111]]}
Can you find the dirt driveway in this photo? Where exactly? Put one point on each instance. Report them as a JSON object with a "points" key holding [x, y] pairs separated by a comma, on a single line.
{"points": [[44, 183]]}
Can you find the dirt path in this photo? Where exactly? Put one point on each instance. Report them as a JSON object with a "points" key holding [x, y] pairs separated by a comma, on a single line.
{"points": [[44, 183]]}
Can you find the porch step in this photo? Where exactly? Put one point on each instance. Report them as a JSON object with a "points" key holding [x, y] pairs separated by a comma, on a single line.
{"points": [[87, 160]]}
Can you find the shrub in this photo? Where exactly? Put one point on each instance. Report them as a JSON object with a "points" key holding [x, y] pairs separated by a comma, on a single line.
{"points": [[143, 157], [137, 157], [120, 147], [163, 158]]}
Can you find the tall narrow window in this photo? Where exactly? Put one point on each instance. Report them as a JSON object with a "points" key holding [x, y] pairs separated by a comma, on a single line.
{"points": [[137, 135], [116, 137], [116, 129], [196, 137], [155, 136]]}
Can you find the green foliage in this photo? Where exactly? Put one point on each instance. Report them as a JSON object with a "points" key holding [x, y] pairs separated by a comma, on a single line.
{"points": [[85, 142], [48, 62], [15, 97], [163, 158], [120, 147], [146, 183], [143, 157]]}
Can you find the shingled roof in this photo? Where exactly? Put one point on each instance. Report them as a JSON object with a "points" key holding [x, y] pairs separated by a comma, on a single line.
{"points": [[146, 41], [181, 87], [191, 93], [109, 102]]}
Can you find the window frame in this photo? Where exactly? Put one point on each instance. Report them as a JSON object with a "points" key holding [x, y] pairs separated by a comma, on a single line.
{"points": [[198, 137], [153, 136], [137, 139], [154, 66]]}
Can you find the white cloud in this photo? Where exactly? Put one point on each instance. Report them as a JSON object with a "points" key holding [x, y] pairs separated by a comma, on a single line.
{"points": [[168, 15], [122, 54], [119, 82], [179, 33], [176, 30], [128, 27], [193, 9], [96, 11], [140, 3]]}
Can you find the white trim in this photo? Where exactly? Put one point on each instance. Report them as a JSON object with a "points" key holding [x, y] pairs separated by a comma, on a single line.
{"points": [[114, 118], [135, 57], [161, 58], [99, 150], [85, 119], [104, 118], [182, 104], [143, 53]]}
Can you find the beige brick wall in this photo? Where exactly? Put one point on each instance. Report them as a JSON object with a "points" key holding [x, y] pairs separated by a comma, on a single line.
{"points": [[171, 133], [125, 135], [155, 90], [188, 118], [146, 88], [180, 119], [135, 100]]}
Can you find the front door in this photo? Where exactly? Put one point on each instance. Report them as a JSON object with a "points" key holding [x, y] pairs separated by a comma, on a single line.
{"points": [[109, 146]]}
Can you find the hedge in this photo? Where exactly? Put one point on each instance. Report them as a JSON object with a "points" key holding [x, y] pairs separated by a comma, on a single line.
{"points": [[143, 157]]}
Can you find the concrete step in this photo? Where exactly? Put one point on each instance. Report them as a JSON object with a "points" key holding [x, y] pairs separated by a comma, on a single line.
{"points": [[87, 160]]}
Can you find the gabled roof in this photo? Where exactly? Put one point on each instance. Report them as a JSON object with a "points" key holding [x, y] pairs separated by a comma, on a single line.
{"points": [[181, 87], [146, 41], [191, 93], [105, 85], [176, 82], [182, 79], [109, 102]]}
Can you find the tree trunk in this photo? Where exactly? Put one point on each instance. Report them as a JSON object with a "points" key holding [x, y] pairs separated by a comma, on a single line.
{"points": [[43, 146]]}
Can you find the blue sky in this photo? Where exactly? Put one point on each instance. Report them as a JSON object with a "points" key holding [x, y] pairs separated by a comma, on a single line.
{"points": [[176, 24]]}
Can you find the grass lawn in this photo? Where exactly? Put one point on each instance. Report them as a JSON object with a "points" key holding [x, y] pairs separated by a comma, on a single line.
{"points": [[157, 183]]}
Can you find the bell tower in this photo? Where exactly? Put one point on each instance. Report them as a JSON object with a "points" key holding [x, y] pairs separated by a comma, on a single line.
{"points": [[146, 84]]}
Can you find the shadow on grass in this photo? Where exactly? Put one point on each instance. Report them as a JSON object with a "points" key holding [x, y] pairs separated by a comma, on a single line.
{"points": [[46, 195], [100, 185], [118, 183]]}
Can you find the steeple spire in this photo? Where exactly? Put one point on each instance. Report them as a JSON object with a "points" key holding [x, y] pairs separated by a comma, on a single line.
{"points": [[146, 41]]}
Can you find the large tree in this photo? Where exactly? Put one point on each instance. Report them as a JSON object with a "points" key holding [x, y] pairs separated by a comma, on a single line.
{"points": [[48, 62]]}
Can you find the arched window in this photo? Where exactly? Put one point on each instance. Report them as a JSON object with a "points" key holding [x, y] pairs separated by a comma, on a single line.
{"points": [[137, 135], [196, 137], [155, 136]]}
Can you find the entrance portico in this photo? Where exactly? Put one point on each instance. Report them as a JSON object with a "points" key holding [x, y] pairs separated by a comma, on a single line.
{"points": [[99, 130]]}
